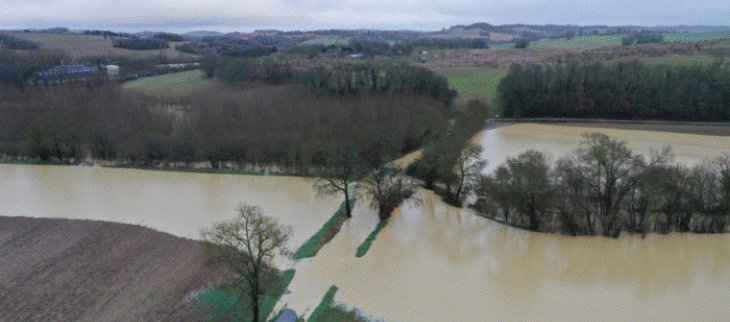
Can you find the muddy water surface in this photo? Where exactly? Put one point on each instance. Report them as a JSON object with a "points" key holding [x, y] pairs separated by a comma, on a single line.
{"points": [[437, 263], [174, 202], [558, 141], [432, 262]]}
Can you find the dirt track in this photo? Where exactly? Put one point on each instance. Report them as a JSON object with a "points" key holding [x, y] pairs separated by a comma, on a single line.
{"points": [[80, 270]]}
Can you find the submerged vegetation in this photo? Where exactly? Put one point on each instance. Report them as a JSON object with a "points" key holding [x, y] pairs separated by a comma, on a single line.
{"points": [[323, 236], [365, 246]]}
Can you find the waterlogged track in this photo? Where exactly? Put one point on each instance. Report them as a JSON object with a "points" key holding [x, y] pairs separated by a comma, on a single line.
{"points": [[438, 263], [173, 202]]}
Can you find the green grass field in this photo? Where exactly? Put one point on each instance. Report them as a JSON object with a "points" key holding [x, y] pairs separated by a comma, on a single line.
{"points": [[173, 85], [613, 40], [79, 46], [695, 37], [478, 82], [326, 40]]}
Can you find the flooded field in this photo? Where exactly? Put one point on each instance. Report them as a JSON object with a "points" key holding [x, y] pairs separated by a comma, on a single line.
{"points": [[557, 141], [174, 202], [432, 262], [438, 263]]}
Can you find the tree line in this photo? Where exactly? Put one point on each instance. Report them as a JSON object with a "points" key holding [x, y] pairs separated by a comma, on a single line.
{"points": [[342, 79], [604, 188], [284, 126], [11, 42], [618, 91], [641, 38]]}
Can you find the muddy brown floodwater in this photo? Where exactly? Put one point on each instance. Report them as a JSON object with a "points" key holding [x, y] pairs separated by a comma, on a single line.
{"points": [[432, 262], [175, 202], [558, 141]]}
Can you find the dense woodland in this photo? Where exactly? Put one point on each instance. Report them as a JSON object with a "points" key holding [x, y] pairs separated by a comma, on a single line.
{"points": [[342, 79], [257, 123], [619, 91], [604, 188]]}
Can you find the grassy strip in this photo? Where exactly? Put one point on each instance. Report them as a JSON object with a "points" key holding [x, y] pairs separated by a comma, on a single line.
{"points": [[323, 236], [273, 294], [213, 171], [227, 302], [363, 248], [34, 162], [325, 304]]}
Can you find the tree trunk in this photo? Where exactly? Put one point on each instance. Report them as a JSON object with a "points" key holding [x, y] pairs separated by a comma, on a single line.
{"points": [[347, 203], [255, 305]]}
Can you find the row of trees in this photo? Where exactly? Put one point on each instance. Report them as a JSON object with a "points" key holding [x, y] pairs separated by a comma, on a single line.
{"points": [[450, 43], [605, 188], [642, 38], [10, 42], [619, 91], [275, 125], [343, 79], [17, 67], [450, 164], [373, 78]]}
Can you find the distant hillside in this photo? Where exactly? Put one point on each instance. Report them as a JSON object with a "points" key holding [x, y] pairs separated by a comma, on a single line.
{"points": [[201, 34]]}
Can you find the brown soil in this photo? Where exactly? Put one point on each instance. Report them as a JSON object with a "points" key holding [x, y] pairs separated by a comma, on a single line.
{"points": [[80, 270]]}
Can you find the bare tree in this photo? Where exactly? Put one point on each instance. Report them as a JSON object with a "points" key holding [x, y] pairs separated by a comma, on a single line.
{"points": [[386, 188], [342, 169], [466, 173], [247, 244], [612, 172]]}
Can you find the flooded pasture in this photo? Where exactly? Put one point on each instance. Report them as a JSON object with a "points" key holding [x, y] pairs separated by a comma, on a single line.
{"points": [[433, 262], [174, 202], [558, 141]]}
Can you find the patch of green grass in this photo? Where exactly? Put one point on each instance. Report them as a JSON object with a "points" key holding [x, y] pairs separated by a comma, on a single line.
{"points": [[325, 312], [365, 246], [326, 40], [479, 82], [697, 36], [325, 304], [274, 293], [173, 85], [324, 235], [233, 303]]}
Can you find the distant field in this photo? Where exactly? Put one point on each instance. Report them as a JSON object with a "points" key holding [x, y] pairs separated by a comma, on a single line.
{"points": [[675, 60], [173, 85], [613, 40], [694, 37], [326, 40], [472, 33], [79, 46], [479, 82]]}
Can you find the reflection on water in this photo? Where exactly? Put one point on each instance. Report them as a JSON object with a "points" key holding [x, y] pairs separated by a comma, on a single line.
{"points": [[557, 141], [174, 202], [439, 263]]}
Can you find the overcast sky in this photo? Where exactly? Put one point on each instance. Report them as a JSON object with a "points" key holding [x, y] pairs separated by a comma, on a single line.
{"points": [[247, 15]]}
